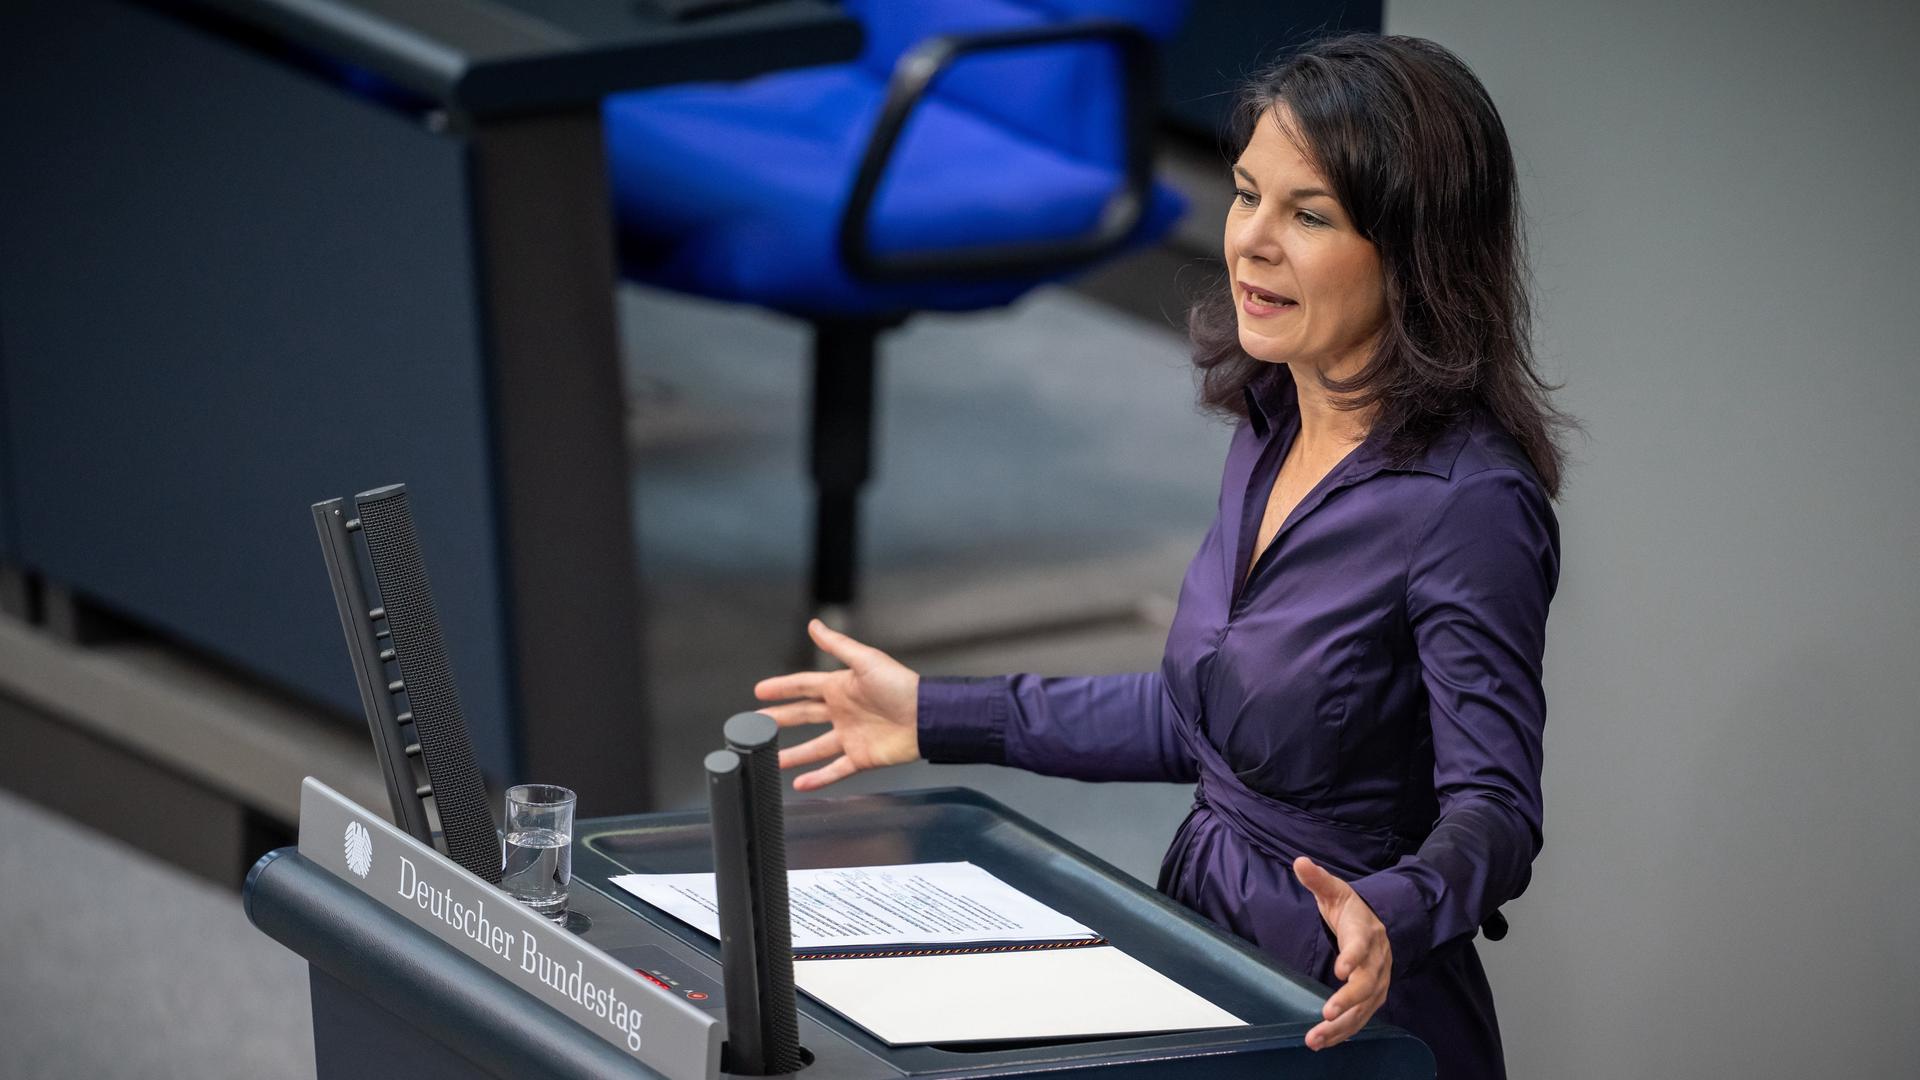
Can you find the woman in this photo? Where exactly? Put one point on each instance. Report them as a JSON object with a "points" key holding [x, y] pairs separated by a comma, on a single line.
{"points": [[1353, 674]]}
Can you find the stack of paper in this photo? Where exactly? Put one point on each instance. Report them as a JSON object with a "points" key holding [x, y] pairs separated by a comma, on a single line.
{"points": [[946, 952]]}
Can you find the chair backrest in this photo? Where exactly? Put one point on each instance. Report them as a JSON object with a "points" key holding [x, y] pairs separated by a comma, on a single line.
{"points": [[1060, 95]]}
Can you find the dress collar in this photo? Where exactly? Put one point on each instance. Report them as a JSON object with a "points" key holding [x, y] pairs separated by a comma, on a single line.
{"points": [[1270, 399], [1272, 403]]}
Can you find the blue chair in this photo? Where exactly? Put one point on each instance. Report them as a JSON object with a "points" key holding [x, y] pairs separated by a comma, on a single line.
{"points": [[976, 149]]}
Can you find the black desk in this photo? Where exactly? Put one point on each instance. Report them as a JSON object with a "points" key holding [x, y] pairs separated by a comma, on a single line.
{"points": [[389, 999], [236, 278]]}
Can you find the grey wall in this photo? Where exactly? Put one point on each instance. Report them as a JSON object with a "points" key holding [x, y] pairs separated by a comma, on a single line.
{"points": [[1724, 223]]}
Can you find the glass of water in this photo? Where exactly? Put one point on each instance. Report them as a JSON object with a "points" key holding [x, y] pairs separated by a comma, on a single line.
{"points": [[538, 857]]}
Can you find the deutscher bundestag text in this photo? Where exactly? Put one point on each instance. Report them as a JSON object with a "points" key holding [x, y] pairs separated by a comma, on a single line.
{"points": [[471, 920]]}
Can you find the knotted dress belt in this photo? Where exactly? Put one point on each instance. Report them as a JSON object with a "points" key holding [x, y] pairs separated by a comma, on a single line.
{"points": [[1284, 832]]}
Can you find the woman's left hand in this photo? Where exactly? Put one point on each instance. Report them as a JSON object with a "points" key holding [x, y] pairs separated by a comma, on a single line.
{"points": [[1365, 963]]}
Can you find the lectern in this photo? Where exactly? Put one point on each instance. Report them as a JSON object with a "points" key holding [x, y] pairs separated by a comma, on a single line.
{"points": [[421, 969], [421, 966]]}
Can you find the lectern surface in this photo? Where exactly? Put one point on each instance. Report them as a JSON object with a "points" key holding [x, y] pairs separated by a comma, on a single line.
{"points": [[958, 825]]}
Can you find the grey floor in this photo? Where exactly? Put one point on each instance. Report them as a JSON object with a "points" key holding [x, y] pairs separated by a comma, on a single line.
{"points": [[157, 975], [1039, 462]]}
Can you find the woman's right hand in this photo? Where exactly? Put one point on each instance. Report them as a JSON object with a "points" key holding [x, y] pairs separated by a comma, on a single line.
{"points": [[873, 706]]}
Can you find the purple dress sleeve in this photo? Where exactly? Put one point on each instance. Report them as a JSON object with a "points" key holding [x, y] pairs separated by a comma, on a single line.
{"points": [[1101, 727], [1478, 585]]}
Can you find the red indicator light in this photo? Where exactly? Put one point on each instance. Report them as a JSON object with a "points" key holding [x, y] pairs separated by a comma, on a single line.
{"points": [[696, 995], [652, 978]]}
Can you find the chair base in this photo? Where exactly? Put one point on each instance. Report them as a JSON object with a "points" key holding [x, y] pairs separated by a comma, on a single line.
{"points": [[845, 361]]}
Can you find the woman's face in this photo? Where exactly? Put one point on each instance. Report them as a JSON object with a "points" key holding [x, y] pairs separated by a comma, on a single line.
{"points": [[1307, 288]]}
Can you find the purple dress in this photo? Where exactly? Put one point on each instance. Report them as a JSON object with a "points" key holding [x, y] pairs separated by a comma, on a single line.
{"points": [[1370, 697]]}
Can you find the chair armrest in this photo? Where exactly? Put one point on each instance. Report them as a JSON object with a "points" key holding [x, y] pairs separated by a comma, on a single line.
{"points": [[914, 76]]}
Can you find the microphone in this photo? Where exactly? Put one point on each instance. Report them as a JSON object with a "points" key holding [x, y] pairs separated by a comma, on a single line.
{"points": [[399, 654], [750, 879]]}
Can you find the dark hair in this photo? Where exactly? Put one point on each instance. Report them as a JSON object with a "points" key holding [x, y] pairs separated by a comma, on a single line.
{"points": [[1414, 151]]}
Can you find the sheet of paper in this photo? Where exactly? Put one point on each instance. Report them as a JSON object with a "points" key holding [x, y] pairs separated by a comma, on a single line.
{"points": [[1092, 990], [916, 904]]}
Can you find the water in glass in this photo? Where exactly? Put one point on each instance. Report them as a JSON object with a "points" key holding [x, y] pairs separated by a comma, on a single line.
{"points": [[539, 864]]}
